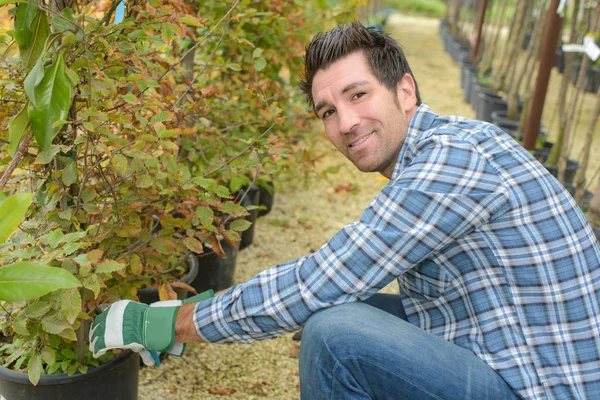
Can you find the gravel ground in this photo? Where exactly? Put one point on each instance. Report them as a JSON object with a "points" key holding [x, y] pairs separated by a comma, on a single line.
{"points": [[300, 222]]}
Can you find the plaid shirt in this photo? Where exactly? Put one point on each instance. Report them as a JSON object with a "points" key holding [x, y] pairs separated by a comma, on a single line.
{"points": [[489, 250]]}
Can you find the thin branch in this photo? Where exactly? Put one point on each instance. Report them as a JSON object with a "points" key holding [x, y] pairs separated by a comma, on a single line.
{"points": [[199, 43], [13, 163], [210, 57], [241, 153], [5, 100]]}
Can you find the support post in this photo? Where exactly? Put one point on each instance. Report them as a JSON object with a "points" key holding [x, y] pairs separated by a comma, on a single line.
{"points": [[551, 35], [475, 48]]}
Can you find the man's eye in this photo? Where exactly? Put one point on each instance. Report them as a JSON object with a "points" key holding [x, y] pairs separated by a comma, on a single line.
{"points": [[358, 95], [327, 113]]}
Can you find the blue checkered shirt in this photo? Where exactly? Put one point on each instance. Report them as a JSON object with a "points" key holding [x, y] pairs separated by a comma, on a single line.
{"points": [[489, 250]]}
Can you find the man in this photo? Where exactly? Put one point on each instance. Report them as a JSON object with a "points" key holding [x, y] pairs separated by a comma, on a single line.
{"points": [[498, 270]]}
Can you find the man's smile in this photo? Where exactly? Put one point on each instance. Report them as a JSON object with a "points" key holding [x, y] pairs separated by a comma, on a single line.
{"points": [[360, 140]]}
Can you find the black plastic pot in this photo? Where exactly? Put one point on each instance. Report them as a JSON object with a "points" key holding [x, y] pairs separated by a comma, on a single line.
{"points": [[469, 71], [488, 103], [251, 198], [542, 153], [476, 88], [114, 380], [584, 203], [559, 61], [500, 119], [570, 171], [149, 295], [591, 80], [215, 272], [267, 197]]}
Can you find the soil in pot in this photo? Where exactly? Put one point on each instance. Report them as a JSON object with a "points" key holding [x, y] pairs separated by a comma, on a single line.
{"points": [[115, 380]]}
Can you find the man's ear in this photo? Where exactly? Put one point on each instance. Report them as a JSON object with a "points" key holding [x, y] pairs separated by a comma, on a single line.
{"points": [[407, 93]]}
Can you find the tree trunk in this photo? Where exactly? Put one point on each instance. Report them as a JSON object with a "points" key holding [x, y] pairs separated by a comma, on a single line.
{"points": [[533, 53], [513, 44], [580, 181], [564, 154], [488, 57], [564, 90]]}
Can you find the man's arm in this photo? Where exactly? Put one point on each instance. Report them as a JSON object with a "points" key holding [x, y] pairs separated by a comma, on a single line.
{"points": [[185, 330]]}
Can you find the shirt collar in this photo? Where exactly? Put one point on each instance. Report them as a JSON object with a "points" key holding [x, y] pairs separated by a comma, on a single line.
{"points": [[421, 121]]}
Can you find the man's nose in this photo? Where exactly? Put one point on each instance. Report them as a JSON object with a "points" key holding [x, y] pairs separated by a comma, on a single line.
{"points": [[349, 119]]}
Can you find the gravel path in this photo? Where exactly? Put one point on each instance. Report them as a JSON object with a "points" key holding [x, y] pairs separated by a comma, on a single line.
{"points": [[300, 222]]}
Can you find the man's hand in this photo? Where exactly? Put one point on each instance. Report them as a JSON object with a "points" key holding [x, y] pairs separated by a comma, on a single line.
{"points": [[140, 327]]}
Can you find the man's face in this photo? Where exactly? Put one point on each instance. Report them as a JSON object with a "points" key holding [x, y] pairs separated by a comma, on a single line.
{"points": [[363, 119]]}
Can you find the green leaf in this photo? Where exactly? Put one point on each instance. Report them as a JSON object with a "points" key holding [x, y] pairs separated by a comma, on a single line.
{"points": [[130, 98], [55, 323], [26, 281], [33, 79], [48, 356], [36, 309], [205, 214], [234, 66], [260, 64], [257, 52], [20, 326], [160, 117], [144, 181], [5, 2], [26, 12], [17, 126], [240, 225], [53, 96], [233, 209], [46, 157], [164, 246], [40, 31], [109, 266], [69, 174], [34, 368], [54, 238], [191, 21], [63, 24], [92, 283], [12, 211], [193, 245], [204, 183], [222, 191], [70, 303]]}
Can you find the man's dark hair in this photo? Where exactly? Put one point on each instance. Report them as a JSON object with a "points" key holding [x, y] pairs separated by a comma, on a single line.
{"points": [[384, 54]]}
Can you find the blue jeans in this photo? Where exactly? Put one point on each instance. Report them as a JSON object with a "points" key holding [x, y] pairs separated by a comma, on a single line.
{"points": [[367, 350]]}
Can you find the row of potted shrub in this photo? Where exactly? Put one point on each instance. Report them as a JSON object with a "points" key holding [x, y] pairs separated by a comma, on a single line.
{"points": [[490, 106], [132, 159]]}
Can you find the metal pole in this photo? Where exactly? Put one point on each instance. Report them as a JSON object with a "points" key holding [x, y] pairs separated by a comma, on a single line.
{"points": [[475, 49], [551, 35]]}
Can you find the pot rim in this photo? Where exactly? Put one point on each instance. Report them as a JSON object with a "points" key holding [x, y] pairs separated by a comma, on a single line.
{"points": [[10, 375]]}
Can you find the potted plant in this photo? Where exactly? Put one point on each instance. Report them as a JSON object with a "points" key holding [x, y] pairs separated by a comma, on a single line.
{"points": [[95, 142]]}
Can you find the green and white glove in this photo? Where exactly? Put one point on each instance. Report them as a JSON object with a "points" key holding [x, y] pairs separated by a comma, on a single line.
{"points": [[140, 327]]}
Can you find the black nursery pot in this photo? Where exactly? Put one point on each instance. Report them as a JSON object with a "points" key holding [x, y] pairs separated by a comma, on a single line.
{"points": [[215, 272], [570, 171], [251, 198], [267, 197], [149, 295], [116, 380], [488, 103]]}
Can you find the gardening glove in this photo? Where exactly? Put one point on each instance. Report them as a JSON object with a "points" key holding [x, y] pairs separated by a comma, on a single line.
{"points": [[146, 329]]}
